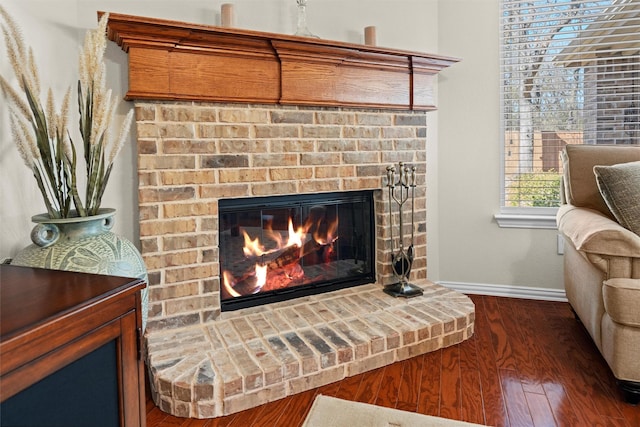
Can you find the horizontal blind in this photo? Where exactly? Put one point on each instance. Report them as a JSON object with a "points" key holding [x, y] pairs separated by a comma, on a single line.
{"points": [[570, 74]]}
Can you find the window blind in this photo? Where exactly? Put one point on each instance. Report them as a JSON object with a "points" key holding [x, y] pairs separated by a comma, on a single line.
{"points": [[570, 74]]}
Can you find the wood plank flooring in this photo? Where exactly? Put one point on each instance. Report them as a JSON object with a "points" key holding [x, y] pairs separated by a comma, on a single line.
{"points": [[529, 363]]}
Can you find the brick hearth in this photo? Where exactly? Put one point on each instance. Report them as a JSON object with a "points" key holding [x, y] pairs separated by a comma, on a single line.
{"points": [[253, 356]]}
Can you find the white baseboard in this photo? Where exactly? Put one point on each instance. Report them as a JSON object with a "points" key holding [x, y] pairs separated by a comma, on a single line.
{"points": [[507, 291]]}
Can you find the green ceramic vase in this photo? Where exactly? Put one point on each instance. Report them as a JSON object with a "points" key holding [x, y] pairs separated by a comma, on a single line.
{"points": [[83, 244]]}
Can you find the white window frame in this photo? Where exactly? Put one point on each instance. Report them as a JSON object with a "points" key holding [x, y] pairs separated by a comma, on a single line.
{"points": [[523, 217]]}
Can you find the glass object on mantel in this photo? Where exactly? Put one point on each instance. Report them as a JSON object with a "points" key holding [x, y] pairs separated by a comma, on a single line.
{"points": [[302, 29]]}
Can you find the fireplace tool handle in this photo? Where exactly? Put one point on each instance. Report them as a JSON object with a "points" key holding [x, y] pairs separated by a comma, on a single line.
{"points": [[401, 260], [411, 250]]}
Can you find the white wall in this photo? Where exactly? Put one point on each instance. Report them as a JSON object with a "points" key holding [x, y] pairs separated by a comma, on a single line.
{"points": [[472, 248], [465, 245]]}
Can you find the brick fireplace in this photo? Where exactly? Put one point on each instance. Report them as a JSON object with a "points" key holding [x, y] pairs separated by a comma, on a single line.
{"points": [[225, 114], [192, 154]]}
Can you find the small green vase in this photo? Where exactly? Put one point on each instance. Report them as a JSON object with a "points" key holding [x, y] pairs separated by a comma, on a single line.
{"points": [[83, 244]]}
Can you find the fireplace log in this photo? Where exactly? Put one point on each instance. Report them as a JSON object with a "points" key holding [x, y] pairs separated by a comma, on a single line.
{"points": [[289, 255], [276, 259], [286, 256], [247, 285]]}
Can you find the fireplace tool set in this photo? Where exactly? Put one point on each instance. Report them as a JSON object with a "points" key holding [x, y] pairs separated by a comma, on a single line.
{"points": [[402, 189]]}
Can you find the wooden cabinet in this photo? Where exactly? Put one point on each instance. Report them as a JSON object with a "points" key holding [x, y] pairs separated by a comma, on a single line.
{"points": [[70, 349]]}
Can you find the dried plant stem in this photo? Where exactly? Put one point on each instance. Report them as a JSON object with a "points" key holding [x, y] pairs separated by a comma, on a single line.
{"points": [[41, 134], [51, 167]]}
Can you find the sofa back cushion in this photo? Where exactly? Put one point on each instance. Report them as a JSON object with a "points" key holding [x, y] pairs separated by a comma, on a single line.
{"points": [[620, 187], [580, 186]]}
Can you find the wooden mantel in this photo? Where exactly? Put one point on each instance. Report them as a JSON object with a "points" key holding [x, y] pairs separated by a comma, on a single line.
{"points": [[170, 60]]}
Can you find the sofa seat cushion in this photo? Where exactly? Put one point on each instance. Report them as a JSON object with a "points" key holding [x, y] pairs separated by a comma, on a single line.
{"points": [[591, 231], [620, 188], [622, 299]]}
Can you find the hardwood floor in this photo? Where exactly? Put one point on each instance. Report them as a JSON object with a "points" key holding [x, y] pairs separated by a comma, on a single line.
{"points": [[529, 363]]}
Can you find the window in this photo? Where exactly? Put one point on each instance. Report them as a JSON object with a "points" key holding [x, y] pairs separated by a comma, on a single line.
{"points": [[570, 74]]}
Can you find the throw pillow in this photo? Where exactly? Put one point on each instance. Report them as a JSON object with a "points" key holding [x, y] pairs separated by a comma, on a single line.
{"points": [[620, 188]]}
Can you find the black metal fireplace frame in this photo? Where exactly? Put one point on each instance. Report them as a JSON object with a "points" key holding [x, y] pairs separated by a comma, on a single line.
{"points": [[366, 197]]}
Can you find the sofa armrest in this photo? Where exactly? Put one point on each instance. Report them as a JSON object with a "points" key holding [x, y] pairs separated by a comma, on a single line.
{"points": [[615, 266], [592, 232], [621, 299]]}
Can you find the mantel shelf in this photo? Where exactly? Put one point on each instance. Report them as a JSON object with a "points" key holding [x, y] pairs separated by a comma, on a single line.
{"points": [[170, 60]]}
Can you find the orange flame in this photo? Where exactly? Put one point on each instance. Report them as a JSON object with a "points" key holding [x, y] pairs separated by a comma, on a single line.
{"points": [[295, 236], [261, 276], [228, 282], [255, 248], [273, 235], [252, 247], [328, 235]]}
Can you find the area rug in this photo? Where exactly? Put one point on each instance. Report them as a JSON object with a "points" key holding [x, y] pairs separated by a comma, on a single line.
{"points": [[329, 411]]}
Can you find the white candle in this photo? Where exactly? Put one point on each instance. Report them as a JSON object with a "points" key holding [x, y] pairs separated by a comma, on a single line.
{"points": [[370, 36], [226, 15]]}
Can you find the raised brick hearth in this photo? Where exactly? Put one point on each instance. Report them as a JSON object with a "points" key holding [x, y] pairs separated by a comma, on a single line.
{"points": [[253, 356]]}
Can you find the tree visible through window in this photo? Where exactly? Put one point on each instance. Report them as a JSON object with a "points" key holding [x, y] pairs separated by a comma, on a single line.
{"points": [[570, 73]]}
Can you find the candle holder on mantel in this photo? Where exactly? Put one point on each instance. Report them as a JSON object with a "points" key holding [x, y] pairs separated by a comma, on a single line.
{"points": [[402, 189], [227, 16], [302, 29]]}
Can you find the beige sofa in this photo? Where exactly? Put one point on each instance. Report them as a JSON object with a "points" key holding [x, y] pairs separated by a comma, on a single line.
{"points": [[602, 258]]}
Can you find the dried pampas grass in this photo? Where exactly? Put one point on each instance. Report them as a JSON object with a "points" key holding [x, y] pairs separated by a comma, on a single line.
{"points": [[41, 133]]}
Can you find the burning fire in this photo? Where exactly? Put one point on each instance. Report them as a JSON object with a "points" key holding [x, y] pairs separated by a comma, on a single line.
{"points": [[252, 247], [261, 276], [295, 237], [229, 282], [278, 267], [328, 236]]}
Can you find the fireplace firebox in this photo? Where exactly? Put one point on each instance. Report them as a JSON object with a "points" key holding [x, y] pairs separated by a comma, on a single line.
{"points": [[282, 247]]}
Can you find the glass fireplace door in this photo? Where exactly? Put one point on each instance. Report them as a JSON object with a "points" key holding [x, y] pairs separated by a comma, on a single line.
{"points": [[277, 248]]}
